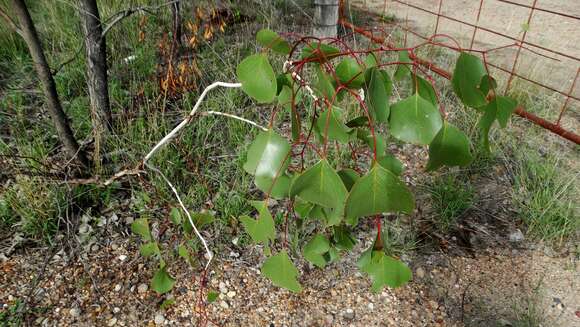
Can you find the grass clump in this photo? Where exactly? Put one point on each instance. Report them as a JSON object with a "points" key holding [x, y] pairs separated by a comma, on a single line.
{"points": [[450, 197], [543, 195]]}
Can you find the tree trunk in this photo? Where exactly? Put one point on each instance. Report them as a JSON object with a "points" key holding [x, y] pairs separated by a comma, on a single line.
{"points": [[97, 80], [325, 18], [59, 118]]}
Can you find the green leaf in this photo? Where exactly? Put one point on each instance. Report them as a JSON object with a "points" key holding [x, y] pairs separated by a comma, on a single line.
{"points": [[377, 192], [370, 60], [272, 40], [403, 69], [415, 120], [343, 238], [366, 136], [361, 121], [281, 271], [391, 163], [425, 89], [321, 185], [350, 73], [175, 216], [487, 84], [349, 177], [450, 147], [149, 249], [200, 219], [499, 108], [317, 51], [302, 208], [162, 282], [166, 304], [261, 230], [377, 99], [141, 227], [267, 159], [386, 271], [466, 78], [388, 82], [212, 296], [315, 249], [257, 78], [505, 108], [324, 83], [330, 124], [184, 253]]}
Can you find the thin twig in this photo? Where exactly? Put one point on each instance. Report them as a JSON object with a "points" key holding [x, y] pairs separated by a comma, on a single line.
{"points": [[218, 113], [119, 16]]}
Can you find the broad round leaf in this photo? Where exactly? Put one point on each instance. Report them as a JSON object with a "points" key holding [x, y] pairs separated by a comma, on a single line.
{"points": [[403, 69], [415, 120], [162, 282], [350, 73], [141, 227], [450, 147], [315, 249], [261, 230], [272, 40], [320, 52], [377, 99], [391, 163], [379, 191], [257, 78], [321, 185], [330, 124], [499, 108], [424, 89], [466, 79], [281, 271], [267, 159], [386, 271], [349, 177]]}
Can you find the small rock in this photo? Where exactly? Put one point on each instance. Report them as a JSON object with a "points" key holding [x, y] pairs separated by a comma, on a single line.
{"points": [[224, 304], [142, 288], [112, 322], [114, 246], [122, 257], [116, 310], [159, 319], [420, 273], [95, 248], [222, 287], [348, 314], [74, 312], [371, 306], [516, 236], [433, 304], [231, 294], [118, 287], [235, 241]]}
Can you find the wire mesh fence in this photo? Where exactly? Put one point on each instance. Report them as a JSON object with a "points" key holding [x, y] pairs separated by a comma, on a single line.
{"points": [[533, 44]]}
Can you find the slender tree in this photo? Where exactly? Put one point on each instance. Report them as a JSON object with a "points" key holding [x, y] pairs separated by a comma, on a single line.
{"points": [[27, 31], [97, 81]]}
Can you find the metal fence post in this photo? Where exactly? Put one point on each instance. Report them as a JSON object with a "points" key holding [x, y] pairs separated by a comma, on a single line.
{"points": [[325, 18]]}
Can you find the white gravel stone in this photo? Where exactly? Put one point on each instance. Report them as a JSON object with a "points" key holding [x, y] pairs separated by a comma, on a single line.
{"points": [[159, 319], [142, 288]]}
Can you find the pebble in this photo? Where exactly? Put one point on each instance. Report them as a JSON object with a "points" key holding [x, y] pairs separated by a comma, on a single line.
{"points": [[371, 306], [159, 319], [348, 314], [74, 312], [122, 257], [420, 273], [231, 294], [118, 287], [222, 287], [142, 288], [516, 236], [116, 310], [224, 304], [112, 322]]}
